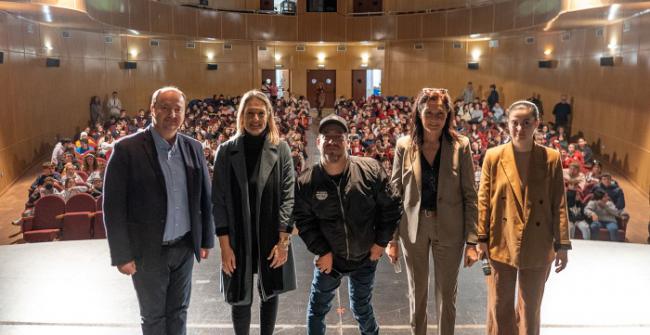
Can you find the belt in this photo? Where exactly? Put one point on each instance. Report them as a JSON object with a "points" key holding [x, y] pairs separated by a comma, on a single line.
{"points": [[176, 241], [428, 212]]}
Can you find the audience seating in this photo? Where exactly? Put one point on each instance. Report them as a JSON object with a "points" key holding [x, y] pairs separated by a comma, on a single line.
{"points": [[78, 217], [603, 233], [44, 225]]}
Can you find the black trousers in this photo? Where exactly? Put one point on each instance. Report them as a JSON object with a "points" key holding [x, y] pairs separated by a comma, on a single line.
{"points": [[164, 294], [241, 317]]}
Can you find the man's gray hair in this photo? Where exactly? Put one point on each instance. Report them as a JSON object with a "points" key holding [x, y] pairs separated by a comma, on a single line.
{"points": [[154, 96]]}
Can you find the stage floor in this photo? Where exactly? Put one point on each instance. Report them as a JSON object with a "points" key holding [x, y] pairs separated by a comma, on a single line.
{"points": [[70, 288]]}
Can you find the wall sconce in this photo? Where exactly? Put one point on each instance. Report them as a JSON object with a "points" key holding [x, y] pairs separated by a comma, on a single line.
{"points": [[365, 57], [476, 54], [548, 51], [210, 55], [277, 57], [133, 52]]}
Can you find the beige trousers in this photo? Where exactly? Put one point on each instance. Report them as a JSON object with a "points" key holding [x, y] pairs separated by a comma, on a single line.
{"points": [[446, 263], [502, 317]]}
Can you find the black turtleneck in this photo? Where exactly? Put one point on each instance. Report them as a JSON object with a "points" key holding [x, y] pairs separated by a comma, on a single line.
{"points": [[252, 150]]}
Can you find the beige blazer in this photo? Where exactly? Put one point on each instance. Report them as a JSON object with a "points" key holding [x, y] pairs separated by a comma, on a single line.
{"points": [[522, 229], [457, 211]]}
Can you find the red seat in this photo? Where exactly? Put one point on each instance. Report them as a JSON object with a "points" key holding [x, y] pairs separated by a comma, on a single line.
{"points": [[80, 202], [99, 230], [83, 175], [77, 226], [99, 203], [603, 233], [44, 225]]}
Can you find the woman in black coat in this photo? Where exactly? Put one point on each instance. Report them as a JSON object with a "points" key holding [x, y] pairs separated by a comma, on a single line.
{"points": [[252, 194]]}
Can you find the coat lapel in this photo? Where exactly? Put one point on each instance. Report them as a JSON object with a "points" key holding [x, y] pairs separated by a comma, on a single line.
{"points": [[446, 162], [239, 162], [152, 154], [414, 158], [536, 173], [509, 166], [186, 151], [267, 161]]}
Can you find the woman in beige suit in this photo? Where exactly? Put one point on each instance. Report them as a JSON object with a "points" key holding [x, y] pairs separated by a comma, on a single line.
{"points": [[434, 172], [522, 223]]}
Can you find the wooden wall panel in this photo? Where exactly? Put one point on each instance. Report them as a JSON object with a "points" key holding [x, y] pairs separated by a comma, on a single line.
{"points": [[309, 27], [333, 29], [286, 28], [233, 26], [161, 18], [209, 24], [504, 15], [434, 25], [482, 20], [359, 28], [185, 21], [409, 27], [120, 13], [384, 27], [458, 22], [139, 15]]}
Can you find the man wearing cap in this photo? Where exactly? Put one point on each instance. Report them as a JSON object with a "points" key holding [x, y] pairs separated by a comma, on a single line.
{"points": [[346, 211]]}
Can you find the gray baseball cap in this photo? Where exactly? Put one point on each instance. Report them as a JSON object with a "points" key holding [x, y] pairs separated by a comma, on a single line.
{"points": [[333, 119]]}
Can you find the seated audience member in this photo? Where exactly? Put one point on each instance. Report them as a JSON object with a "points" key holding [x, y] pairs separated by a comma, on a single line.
{"points": [[89, 164], [587, 153], [593, 176], [576, 216], [603, 213], [49, 187], [59, 149], [89, 140], [84, 147], [70, 172], [615, 193], [574, 179], [498, 113], [574, 155], [46, 172], [71, 188], [96, 186]]}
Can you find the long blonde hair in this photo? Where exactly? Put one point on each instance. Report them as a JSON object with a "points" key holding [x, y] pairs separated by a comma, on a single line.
{"points": [[273, 134]]}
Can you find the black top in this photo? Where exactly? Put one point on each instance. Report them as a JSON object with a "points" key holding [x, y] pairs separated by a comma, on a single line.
{"points": [[252, 150], [562, 111], [430, 182]]}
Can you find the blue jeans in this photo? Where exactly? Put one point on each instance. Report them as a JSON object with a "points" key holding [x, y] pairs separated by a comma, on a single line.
{"points": [[612, 227], [360, 284]]}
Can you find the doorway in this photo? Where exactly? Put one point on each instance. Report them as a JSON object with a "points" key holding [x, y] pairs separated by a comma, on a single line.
{"points": [[280, 78], [365, 83], [326, 78]]}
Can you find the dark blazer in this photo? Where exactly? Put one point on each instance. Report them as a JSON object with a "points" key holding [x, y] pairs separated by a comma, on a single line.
{"points": [[274, 201], [135, 199]]}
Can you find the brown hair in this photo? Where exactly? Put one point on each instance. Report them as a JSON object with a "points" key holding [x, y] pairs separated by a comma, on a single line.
{"points": [[417, 128]]}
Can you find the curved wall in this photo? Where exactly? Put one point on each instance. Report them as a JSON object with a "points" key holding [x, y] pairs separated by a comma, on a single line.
{"points": [[610, 102]]}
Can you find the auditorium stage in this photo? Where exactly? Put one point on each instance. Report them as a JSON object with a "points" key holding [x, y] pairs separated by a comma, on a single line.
{"points": [[69, 288]]}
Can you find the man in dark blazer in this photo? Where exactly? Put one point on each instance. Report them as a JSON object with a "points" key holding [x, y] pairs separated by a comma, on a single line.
{"points": [[157, 212]]}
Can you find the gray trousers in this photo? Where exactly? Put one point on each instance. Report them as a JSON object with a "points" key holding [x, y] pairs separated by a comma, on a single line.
{"points": [[446, 262], [164, 294]]}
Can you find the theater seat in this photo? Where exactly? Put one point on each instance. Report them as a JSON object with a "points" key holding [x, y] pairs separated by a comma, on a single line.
{"points": [[81, 202], [44, 225], [99, 203], [603, 234], [99, 231], [83, 175], [77, 226]]}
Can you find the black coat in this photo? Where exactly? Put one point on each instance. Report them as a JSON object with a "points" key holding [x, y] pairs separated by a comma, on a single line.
{"points": [[274, 204], [135, 200]]}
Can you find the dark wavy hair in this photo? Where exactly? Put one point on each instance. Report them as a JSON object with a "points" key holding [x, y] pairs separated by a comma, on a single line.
{"points": [[417, 128]]}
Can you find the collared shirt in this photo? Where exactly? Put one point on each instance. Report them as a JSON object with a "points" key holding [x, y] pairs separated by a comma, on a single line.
{"points": [[173, 169]]}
